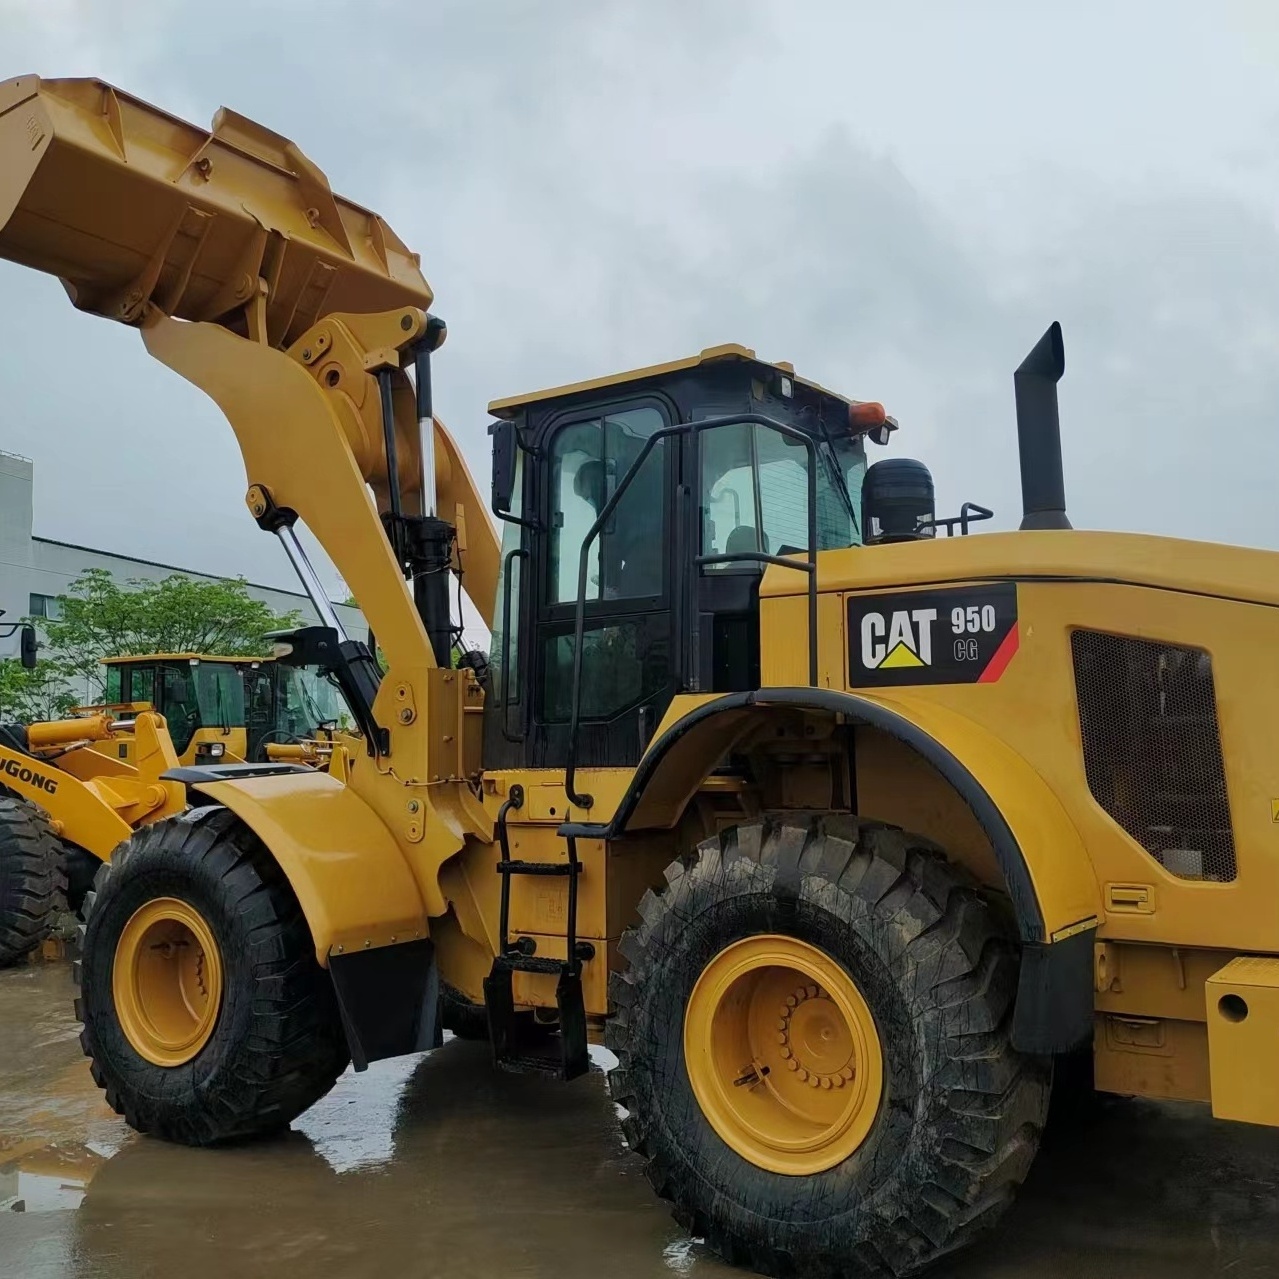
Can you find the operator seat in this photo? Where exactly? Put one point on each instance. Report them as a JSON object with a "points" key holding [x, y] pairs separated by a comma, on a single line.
{"points": [[743, 538]]}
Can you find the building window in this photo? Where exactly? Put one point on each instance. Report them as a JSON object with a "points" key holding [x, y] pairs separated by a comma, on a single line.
{"points": [[45, 606]]}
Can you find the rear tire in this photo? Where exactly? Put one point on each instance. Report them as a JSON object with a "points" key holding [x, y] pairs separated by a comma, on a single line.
{"points": [[457, 1014], [32, 881], [277, 1044], [959, 1118]]}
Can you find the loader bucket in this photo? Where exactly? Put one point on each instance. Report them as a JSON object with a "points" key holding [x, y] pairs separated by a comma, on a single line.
{"points": [[131, 207]]}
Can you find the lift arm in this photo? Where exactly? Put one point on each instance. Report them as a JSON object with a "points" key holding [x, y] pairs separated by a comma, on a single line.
{"points": [[295, 309], [301, 315]]}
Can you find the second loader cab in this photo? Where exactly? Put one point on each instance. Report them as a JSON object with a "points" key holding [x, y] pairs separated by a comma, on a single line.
{"points": [[201, 697], [643, 509]]}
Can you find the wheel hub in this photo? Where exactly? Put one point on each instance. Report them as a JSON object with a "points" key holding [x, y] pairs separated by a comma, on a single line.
{"points": [[783, 1054], [166, 981], [813, 1039]]}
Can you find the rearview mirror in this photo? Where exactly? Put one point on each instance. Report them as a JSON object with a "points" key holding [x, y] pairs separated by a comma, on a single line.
{"points": [[504, 458], [316, 646], [27, 646]]}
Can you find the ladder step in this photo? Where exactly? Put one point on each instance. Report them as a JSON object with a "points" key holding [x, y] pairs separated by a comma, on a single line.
{"points": [[535, 868], [532, 963], [563, 1055]]}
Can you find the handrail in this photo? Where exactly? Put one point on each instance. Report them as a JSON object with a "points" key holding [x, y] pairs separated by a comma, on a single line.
{"points": [[579, 622], [970, 512], [504, 654]]}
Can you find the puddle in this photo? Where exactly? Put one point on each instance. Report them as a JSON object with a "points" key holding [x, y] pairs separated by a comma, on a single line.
{"points": [[437, 1166]]}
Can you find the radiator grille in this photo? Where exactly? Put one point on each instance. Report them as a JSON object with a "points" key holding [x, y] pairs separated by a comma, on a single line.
{"points": [[1152, 749]]}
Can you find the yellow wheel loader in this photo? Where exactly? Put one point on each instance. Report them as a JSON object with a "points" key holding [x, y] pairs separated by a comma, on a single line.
{"points": [[71, 790], [67, 799], [227, 709], [835, 830]]}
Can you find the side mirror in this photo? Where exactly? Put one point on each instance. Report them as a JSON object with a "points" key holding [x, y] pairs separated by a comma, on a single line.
{"points": [[27, 646], [315, 646], [505, 447]]}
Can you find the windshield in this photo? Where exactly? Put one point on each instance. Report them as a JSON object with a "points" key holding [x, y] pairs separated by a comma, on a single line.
{"points": [[307, 700], [755, 491], [219, 694]]}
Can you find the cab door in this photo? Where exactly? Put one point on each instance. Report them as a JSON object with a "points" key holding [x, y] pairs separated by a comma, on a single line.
{"points": [[628, 667]]}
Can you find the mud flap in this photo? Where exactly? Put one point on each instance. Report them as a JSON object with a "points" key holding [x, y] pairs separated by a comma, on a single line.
{"points": [[1055, 995], [389, 999]]}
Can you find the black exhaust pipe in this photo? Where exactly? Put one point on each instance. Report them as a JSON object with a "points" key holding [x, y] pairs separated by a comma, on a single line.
{"points": [[1043, 485]]}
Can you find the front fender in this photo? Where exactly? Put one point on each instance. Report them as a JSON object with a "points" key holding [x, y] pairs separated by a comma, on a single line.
{"points": [[350, 878]]}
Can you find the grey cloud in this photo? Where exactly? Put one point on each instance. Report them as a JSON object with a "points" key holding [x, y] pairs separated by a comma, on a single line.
{"points": [[599, 187]]}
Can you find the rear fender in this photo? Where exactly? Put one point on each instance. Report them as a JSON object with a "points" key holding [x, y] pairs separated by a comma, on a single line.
{"points": [[1045, 866], [350, 878]]}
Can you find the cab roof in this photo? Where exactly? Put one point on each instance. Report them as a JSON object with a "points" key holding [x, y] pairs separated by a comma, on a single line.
{"points": [[511, 405], [179, 657]]}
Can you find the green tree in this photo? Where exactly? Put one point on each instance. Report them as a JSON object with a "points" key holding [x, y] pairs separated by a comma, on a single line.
{"points": [[100, 617], [26, 695]]}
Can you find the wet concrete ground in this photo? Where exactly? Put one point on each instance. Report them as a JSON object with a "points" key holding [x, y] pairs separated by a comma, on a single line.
{"points": [[437, 1166]]}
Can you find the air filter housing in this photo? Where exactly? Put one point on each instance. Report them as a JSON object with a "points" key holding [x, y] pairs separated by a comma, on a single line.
{"points": [[897, 501]]}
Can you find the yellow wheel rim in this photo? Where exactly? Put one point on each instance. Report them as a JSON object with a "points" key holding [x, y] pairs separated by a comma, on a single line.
{"points": [[783, 1055], [167, 981]]}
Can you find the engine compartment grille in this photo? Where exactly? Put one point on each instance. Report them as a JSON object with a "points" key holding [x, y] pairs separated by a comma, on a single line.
{"points": [[1152, 749]]}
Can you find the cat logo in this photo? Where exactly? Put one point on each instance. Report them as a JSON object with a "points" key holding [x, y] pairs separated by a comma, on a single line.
{"points": [[957, 635], [904, 639]]}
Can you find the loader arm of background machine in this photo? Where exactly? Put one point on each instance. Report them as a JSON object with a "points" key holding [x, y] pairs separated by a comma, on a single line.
{"points": [[299, 314]]}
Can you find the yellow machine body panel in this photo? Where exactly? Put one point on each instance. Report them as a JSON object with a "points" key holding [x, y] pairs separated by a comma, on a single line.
{"points": [[1219, 601], [350, 876], [94, 800], [1243, 1028]]}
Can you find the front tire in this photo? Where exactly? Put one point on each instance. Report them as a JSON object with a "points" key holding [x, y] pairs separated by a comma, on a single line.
{"points": [[901, 978], [206, 1017], [32, 882]]}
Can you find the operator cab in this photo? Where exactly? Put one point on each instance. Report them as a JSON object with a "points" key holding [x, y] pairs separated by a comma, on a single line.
{"points": [[200, 696], [726, 449], [221, 708]]}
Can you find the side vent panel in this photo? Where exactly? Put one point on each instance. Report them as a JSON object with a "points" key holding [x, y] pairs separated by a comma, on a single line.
{"points": [[1152, 749]]}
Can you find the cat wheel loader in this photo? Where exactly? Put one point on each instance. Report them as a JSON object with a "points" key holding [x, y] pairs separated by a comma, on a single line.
{"points": [[836, 831]]}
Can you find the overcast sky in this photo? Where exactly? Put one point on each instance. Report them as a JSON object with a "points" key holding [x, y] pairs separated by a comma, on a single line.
{"points": [[898, 198]]}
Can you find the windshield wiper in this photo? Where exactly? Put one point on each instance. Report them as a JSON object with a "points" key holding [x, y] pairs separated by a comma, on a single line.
{"points": [[832, 466]]}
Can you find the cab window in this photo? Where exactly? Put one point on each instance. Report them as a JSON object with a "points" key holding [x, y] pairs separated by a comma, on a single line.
{"points": [[588, 461], [755, 495], [178, 705], [139, 684]]}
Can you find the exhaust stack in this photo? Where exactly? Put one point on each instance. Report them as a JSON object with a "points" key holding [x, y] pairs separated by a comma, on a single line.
{"points": [[1043, 485]]}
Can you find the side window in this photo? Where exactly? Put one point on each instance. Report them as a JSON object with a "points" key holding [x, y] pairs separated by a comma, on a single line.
{"points": [[754, 495], [588, 461], [754, 492], [140, 684], [114, 684], [624, 663], [180, 710]]}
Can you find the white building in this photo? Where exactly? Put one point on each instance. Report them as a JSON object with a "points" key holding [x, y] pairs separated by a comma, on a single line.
{"points": [[34, 571]]}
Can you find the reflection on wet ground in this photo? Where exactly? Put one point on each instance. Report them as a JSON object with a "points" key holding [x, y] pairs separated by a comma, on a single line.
{"points": [[437, 1166]]}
